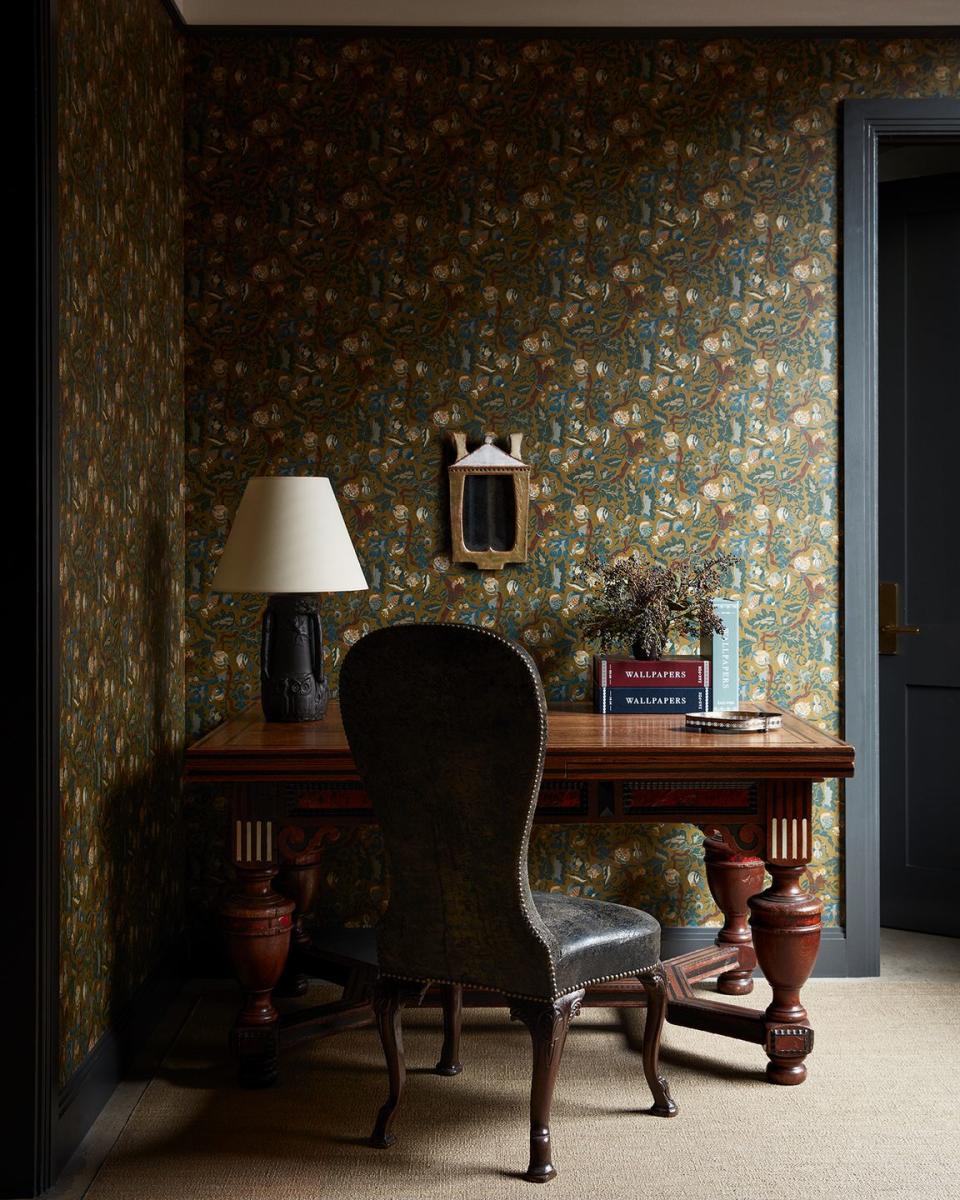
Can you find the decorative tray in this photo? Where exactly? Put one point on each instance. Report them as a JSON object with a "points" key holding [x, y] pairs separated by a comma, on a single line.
{"points": [[733, 721]]}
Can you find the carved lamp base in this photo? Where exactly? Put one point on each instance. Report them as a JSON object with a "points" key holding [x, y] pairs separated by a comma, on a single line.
{"points": [[292, 684]]}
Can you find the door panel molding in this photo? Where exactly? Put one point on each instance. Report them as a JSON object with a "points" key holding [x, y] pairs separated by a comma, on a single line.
{"points": [[866, 123]]}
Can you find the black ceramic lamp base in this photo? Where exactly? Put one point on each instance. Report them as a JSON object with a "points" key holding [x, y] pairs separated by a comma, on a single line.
{"points": [[292, 684]]}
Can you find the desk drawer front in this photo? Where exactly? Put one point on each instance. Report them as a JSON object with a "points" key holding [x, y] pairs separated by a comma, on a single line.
{"points": [[560, 801], [324, 799], [683, 800], [563, 801]]}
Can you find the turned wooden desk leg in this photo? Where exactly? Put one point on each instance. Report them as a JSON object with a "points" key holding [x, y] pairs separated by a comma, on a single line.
{"points": [[257, 923], [786, 932], [733, 878]]}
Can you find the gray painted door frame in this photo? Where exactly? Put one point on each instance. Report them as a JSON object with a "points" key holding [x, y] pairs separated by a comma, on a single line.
{"points": [[866, 123]]}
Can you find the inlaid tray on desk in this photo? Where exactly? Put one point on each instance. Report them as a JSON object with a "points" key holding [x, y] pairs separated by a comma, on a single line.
{"points": [[736, 720]]}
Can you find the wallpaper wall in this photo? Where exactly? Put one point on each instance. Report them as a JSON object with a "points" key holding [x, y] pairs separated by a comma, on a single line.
{"points": [[121, 519], [625, 249]]}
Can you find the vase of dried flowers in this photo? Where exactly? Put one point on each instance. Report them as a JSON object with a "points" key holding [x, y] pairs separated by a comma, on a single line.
{"points": [[641, 604]]}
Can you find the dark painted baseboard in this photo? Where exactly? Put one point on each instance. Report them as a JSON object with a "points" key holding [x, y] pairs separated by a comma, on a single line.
{"points": [[92, 1084], [831, 961]]}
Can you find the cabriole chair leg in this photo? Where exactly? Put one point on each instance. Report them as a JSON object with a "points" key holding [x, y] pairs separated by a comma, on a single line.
{"points": [[655, 985], [450, 1063], [389, 997], [548, 1024]]}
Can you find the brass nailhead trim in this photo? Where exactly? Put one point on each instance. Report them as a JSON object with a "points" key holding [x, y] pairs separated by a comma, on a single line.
{"points": [[532, 670], [481, 987]]}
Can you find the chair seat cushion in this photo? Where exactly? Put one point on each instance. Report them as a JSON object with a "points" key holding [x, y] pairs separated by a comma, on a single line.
{"points": [[596, 940]]}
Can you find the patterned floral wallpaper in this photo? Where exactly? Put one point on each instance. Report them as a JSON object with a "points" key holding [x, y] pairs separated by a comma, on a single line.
{"points": [[121, 376], [625, 249]]}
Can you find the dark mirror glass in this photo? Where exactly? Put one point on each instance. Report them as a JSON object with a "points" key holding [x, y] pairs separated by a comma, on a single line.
{"points": [[489, 512]]}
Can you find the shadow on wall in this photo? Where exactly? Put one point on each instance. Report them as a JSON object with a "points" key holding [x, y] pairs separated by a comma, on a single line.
{"points": [[139, 847], [142, 839], [143, 832]]}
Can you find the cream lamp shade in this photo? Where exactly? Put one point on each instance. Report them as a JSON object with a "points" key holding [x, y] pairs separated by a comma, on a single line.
{"points": [[289, 537]]}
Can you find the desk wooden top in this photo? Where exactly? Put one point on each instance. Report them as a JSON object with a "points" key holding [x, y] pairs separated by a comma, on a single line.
{"points": [[581, 744]]}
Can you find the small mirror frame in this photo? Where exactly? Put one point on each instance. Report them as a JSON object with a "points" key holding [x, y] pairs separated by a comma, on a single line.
{"points": [[488, 459]]}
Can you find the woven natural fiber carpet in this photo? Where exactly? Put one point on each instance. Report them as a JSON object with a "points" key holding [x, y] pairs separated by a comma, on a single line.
{"points": [[878, 1117]]}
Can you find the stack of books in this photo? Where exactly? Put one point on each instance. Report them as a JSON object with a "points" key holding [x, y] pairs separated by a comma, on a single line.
{"points": [[649, 687]]}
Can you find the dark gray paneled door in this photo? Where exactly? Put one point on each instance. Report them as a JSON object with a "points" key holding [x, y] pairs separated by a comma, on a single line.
{"points": [[919, 549]]}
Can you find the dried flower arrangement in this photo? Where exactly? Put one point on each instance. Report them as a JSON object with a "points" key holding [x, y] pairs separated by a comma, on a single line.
{"points": [[641, 604]]}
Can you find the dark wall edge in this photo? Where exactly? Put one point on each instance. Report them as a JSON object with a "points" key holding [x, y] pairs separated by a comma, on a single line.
{"points": [[30, 914], [77, 1105], [175, 15], [865, 124], [645, 32], [30, 923]]}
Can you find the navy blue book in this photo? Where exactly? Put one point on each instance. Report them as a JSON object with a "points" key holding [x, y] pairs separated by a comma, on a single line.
{"points": [[648, 701]]}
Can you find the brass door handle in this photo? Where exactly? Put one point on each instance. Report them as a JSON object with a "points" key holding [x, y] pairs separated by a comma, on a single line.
{"points": [[889, 614]]}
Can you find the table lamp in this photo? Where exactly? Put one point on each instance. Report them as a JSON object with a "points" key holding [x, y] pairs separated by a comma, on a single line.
{"points": [[289, 541]]}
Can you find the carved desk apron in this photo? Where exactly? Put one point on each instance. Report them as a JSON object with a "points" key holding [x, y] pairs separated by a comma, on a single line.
{"points": [[294, 787]]}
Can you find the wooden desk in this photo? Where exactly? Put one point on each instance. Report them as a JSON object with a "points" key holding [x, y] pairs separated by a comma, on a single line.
{"points": [[296, 786]]}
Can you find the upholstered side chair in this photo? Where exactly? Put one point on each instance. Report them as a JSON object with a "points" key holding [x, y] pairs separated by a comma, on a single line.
{"points": [[448, 725]]}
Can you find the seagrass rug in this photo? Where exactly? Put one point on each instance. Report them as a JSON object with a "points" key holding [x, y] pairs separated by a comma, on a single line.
{"points": [[878, 1117]]}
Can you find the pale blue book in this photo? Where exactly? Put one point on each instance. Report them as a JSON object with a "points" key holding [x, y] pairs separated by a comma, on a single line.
{"points": [[723, 650]]}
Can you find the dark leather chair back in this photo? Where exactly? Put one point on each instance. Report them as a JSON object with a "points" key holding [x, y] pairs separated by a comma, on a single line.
{"points": [[448, 725]]}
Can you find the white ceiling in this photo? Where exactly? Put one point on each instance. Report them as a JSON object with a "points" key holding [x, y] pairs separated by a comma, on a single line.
{"points": [[568, 13]]}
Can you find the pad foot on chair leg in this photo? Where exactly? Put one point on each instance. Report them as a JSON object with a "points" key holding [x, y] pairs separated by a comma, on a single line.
{"points": [[381, 1137], [541, 1169], [665, 1105], [443, 1068]]}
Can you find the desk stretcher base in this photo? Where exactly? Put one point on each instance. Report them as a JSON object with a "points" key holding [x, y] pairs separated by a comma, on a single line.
{"points": [[789, 1043], [278, 857]]}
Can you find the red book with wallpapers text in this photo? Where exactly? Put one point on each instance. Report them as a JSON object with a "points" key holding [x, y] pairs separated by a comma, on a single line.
{"points": [[619, 670]]}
